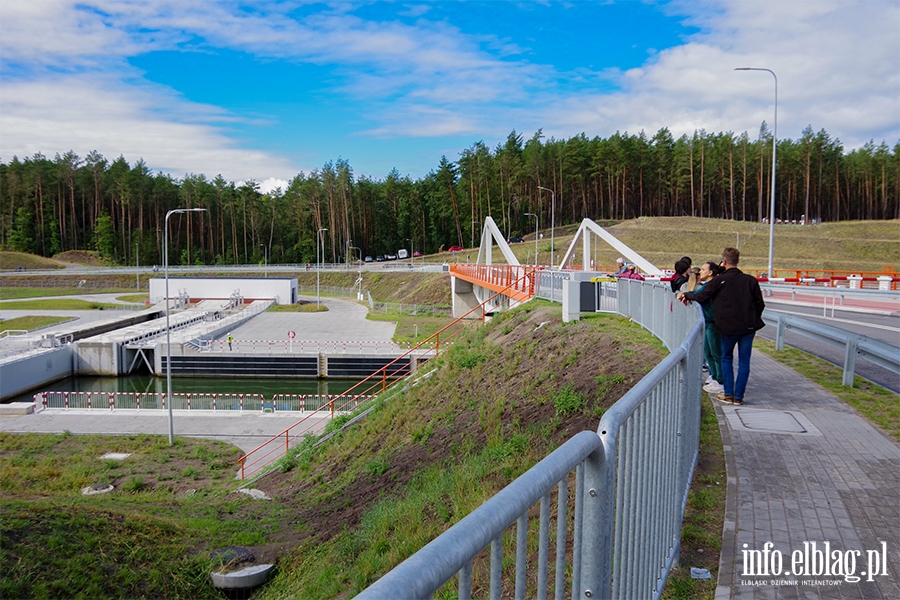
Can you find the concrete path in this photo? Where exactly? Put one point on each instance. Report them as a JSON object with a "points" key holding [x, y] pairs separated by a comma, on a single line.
{"points": [[806, 473], [345, 320], [245, 429]]}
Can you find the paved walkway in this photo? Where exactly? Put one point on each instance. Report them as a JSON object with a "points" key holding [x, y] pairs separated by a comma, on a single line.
{"points": [[804, 469], [246, 430]]}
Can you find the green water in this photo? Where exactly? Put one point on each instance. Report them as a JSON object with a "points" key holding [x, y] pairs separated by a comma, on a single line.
{"points": [[148, 383]]}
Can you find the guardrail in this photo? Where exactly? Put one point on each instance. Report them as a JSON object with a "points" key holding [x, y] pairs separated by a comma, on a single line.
{"points": [[632, 479], [112, 401], [854, 344], [301, 346], [550, 283]]}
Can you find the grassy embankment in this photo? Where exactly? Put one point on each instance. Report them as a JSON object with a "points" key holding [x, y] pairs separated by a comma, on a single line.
{"points": [[505, 396]]}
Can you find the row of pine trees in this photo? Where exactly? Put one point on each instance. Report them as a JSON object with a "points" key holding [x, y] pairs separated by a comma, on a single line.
{"points": [[71, 202]]}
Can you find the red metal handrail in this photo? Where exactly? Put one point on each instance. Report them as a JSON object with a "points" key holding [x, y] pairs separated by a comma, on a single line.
{"points": [[255, 460]]}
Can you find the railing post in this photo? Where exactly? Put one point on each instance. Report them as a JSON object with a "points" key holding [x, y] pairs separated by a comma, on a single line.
{"points": [[850, 351], [779, 336], [597, 525]]}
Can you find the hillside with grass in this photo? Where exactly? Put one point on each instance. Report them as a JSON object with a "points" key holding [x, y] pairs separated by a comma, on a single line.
{"points": [[342, 513]]}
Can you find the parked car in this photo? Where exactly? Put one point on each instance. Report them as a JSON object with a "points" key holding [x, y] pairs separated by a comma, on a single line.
{"points": [[368, 259], [402, 253], [392, 257], [379, 258], [515, 240], [455, 249], [417, 254]]}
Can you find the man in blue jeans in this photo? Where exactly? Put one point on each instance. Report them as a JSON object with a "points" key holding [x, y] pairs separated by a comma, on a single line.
{"points": [[738, 305]]}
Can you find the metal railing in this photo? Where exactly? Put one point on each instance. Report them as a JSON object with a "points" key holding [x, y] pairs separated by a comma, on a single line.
{"points": [[632, 479], [289, 346], [111, 401], [258, 459], [550, 284], [853, 344]]}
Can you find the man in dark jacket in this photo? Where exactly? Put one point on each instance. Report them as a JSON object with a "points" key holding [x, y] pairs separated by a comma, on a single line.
{"points": [[738, 305]]}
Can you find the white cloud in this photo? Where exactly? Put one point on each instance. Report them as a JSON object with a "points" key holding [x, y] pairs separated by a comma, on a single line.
{"points": [[837, 64], [838, 68], [97, 113]]}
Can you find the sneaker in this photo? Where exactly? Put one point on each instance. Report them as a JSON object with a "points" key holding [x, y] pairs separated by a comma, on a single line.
{"points": [[714, 387], [708, 380], [725, 399], [737, 401]]}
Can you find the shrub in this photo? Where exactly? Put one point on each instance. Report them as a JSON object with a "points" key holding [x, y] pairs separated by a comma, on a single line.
{"points": [[567, 401]]}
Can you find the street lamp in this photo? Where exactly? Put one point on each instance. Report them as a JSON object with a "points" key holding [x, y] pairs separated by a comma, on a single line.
{"points": [[137, 265], [535, 236], [770, 272], [411, 253], [552, 220], [265, 260], [168, 336], [319, 262]]}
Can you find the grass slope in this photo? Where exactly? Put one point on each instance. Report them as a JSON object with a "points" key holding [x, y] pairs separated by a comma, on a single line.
{"points": [[504, 396]]}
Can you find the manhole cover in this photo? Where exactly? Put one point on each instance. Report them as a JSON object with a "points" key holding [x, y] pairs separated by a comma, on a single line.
{"points": [[770, 420]]}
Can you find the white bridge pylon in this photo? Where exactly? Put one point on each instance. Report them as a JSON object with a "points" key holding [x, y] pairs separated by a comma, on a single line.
{"points": [[490, 234], [584, 234]]}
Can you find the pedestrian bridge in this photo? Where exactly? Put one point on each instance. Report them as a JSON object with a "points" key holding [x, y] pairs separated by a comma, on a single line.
{"points": [[508, 284]]}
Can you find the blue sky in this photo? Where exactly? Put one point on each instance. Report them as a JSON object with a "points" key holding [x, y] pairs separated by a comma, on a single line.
{"points": [[265, 90]]}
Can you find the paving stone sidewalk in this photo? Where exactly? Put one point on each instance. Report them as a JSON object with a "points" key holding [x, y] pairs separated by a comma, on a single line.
{"points": [[804, 468]]}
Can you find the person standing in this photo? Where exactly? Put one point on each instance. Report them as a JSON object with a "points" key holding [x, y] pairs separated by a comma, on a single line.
{"points": [[738, 306], [230, 339], [682, 267], [712, 349]]}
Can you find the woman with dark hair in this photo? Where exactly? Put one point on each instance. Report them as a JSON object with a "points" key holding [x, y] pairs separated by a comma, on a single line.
{"points": [[712, 350], [682, 266]]}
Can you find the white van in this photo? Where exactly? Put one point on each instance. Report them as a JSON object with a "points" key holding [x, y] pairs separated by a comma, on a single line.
{"points": [[402, 253]]}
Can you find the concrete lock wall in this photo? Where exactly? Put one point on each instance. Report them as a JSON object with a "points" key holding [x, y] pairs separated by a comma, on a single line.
{"points": [[96, 358], [20, 376], [283, 290]]}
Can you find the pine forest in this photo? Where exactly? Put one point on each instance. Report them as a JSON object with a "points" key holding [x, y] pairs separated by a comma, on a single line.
{"points": [[71, 202]]}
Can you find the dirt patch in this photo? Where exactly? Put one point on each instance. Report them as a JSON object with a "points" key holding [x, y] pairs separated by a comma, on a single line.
{"points": [[79, 257]]}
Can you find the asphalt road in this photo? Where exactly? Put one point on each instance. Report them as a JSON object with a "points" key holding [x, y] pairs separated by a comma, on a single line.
{"points": [[876, 326]]}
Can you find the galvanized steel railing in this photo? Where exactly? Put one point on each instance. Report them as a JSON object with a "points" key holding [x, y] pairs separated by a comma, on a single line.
{"points": [[113, 401], [853, 344], [631, 478]]}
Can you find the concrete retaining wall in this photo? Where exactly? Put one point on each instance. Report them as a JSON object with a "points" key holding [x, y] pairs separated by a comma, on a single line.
{"points": [[283, 290], [32, 372], [304, 366]]}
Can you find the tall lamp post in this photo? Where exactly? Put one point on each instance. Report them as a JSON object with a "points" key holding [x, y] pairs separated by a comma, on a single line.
{"points": [[411, 253], [168, 336], [319, 263], [137, 265], [552, 221], [535, 236], [770, 272], [265, 260]]}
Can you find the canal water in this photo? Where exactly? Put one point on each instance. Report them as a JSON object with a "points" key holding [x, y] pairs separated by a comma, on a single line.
{"points": [[268, 387]]}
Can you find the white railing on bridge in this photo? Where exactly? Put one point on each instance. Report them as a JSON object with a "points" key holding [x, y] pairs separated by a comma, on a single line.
{"points": [[301, 346], [631, 478]]}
